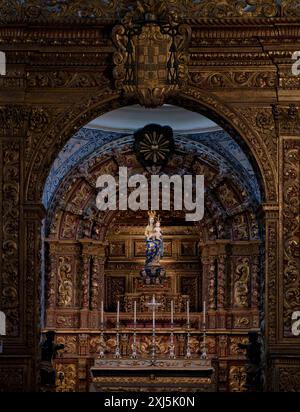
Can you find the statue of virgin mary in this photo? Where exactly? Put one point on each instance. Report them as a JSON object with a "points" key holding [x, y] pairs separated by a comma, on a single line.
{"points": [[154, 249]]}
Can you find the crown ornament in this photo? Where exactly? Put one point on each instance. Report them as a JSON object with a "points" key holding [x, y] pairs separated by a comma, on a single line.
{"points": [[152, 214]]}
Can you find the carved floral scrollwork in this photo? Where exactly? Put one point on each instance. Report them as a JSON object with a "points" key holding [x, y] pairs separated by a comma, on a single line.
{"points": [[211, 267], [55, 10], [237, 379], [70, 343], [65, 281], [254, 281], [51, 279], [232, 8], [66, 377], [13, 119], [291, 230], [85, 282], [289, 379], [290, 8], [241, 282], [20, 120], [238, 79], [272, 257], [97, 288], [76, 11], [221, 281], [9, 297], [61, 79]]}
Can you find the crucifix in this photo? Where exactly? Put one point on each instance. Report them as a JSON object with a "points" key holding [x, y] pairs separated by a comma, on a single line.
{"points": [[154, 305]]}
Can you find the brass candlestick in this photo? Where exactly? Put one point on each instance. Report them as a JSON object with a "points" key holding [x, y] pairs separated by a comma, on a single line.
{"points": [[117, 352], [134, 352], [102, 343], [172, 346], [188, 354]]}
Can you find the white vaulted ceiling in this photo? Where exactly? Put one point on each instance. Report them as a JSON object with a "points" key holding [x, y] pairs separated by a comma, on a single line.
{"points": [[131, 118]]}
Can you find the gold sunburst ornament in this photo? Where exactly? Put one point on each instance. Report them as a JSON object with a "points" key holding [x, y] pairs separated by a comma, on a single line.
{"points": [[154, 145]]}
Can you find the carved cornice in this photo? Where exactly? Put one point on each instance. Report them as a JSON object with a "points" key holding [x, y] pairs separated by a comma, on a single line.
{"points": [[75, 11]]}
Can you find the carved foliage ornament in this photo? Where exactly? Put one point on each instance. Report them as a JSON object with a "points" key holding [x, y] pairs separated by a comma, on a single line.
{"points": [[151, 60], [76, 10]]}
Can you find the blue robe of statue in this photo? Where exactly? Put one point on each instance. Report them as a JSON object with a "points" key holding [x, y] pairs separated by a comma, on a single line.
{"points": [[154, 251]]}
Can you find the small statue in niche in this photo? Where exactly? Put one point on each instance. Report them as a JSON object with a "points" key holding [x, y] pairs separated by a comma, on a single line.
{"points": [[253, 366], [48, 352]]}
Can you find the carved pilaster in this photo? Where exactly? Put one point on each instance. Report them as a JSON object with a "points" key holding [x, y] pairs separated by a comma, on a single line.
{"points": [[270, 286], [85, 281], [51, 277], [221, 292], [10, 279], [211, 291], [255, 282], [97, 289], [93, 255], [290, 223]]}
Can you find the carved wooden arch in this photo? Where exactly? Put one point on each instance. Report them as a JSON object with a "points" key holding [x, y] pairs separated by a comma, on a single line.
{"points": [[75, 117], [82, 207], [198, 100]]}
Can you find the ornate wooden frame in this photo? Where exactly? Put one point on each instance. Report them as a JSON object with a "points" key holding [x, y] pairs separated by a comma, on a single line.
{"points": [[58, 79]]}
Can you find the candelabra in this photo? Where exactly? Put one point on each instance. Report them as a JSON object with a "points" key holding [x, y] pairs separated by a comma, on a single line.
{"points": [[172, 346], [188, 348], [102, 343], [117, 352], [204, 348], [134, 352]]}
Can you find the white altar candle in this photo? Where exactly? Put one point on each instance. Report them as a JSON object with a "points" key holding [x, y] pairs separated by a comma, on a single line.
{"points": [[204, 313], [102, 313], [172, 312], [188, 311], [134, 317], [118, 312]]}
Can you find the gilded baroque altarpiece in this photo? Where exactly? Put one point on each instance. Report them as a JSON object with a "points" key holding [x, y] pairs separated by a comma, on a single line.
{"points": [[236, 69]]}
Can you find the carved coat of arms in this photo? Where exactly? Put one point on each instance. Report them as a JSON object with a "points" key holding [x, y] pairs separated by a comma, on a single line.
{"points": [[151, 61]]}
